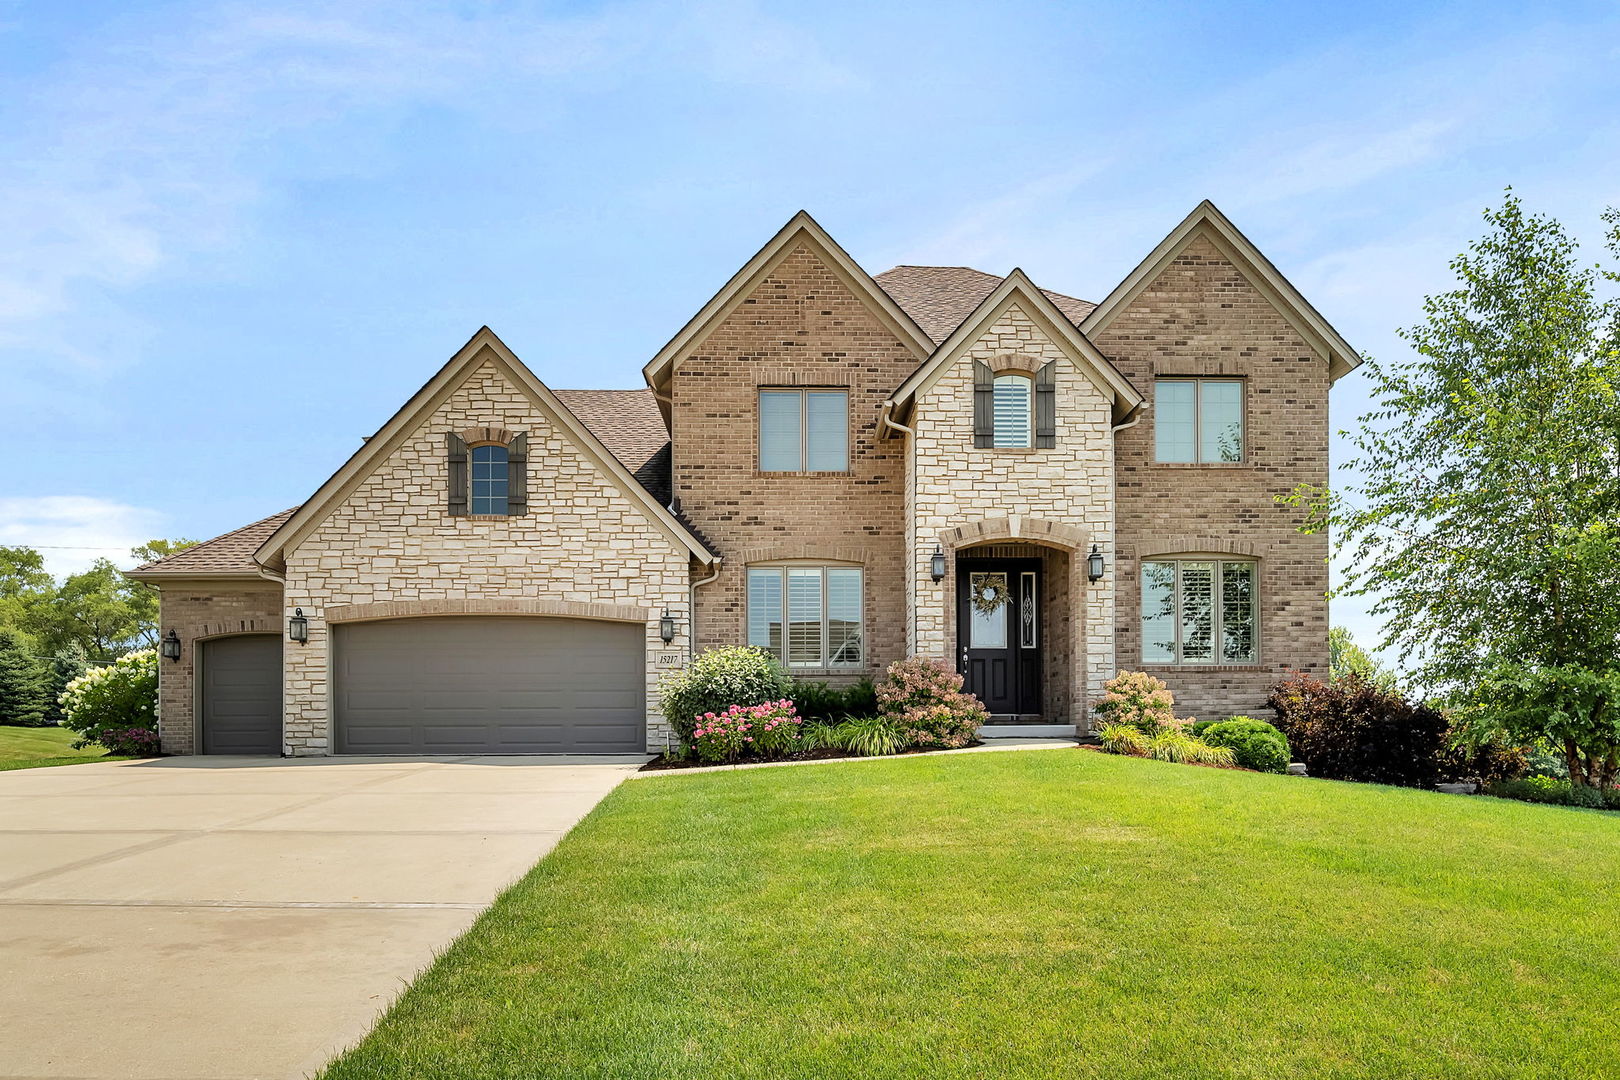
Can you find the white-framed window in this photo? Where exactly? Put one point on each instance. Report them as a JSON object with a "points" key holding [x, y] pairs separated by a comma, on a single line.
{"points": [[1196, 421], [1200, 611], [1012, 410], [808, 616], [803, 430], [489, 479]]}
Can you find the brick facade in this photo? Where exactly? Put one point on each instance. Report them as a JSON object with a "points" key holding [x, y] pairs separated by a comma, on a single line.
{"points": [[801, 325], [197, 612], [391, 541], [1202, 316]]}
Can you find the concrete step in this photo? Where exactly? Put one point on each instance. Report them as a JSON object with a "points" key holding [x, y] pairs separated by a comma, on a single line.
{"points": [[1027, 731]]}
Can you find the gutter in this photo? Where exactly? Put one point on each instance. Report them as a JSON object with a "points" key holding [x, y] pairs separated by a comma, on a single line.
{"points": [[889, 422]]}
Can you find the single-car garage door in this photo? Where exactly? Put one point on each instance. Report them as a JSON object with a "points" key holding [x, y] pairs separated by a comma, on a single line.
{"points": [[241, 694], [489, 685]]}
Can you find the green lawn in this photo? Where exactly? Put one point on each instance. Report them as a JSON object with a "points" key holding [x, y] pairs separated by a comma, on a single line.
{"points": [[1052, 913], [37, 747]]}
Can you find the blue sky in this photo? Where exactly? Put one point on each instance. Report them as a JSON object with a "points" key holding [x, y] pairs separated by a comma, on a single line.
{"points": [[235, 237]]}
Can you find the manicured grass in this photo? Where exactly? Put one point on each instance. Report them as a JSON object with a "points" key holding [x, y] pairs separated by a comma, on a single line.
{"points": [[1053, 913], [38, 747]]}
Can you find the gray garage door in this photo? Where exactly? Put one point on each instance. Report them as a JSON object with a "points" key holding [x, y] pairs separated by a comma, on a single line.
{"points": [[241, 695], [489, 685]]}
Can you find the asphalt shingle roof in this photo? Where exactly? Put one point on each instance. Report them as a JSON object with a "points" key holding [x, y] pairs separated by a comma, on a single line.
{"points": [[228, 554], [938, 298]]}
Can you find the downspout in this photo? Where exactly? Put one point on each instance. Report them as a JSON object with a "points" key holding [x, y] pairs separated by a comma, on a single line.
{"points": [[691, 609], [1134, 419], [912, 600], [889, 422]]}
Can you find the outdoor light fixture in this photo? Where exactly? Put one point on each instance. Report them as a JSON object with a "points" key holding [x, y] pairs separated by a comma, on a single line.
{"points": [[666, 627], [298, 626], [1094, 564], [936, 565], [170, 648]]}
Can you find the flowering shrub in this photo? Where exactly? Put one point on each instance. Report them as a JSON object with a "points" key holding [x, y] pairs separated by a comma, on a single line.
{"points": [[717, 679], [105, 703], [925, 701], [129, 742], [768, 730], [1138, 699]]}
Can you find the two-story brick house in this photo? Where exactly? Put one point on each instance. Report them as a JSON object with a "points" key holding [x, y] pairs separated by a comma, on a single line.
{"points": [[843, 469]]}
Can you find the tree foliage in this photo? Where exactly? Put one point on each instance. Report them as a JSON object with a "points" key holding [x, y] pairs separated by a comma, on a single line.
{"points": [[1486, 523], [23, 689], [1346, 658]]}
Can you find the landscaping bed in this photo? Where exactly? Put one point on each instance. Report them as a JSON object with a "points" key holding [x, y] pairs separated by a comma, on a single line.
{"points": [[665, 763]]}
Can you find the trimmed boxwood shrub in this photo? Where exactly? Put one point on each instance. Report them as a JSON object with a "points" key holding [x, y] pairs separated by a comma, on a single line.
{"points": [[819, 701], [1255, 744], [717, 679]]}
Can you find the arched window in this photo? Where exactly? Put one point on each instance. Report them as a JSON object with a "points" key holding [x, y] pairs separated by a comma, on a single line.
{"points": [[489, 479], [1014, 399]]}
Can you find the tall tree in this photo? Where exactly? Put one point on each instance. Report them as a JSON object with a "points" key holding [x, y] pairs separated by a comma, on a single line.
{"points": [[22, 681], [1346, 658], [1486, 524]]}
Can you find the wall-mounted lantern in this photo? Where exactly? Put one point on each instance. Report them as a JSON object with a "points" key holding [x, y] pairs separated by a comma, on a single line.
{"points": [[1094, 564], [298, 626], [170, 646], [936, 565], [666, 627]]}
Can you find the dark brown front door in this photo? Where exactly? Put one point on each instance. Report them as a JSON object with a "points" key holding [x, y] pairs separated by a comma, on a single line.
{"points": [[998, 632]]}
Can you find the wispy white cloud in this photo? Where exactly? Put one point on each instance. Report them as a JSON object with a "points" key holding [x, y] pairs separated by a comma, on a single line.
{"points": [[73, 531]]}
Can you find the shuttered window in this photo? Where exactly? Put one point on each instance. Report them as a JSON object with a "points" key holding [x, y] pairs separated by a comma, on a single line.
{"points": [[803, 430], [1197, 421], [490, 479], [1014, 410], [1014, 402], [807, 616], [489, 465], [1199, 611]]}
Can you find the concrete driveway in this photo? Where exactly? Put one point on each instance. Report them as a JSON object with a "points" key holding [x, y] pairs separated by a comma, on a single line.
{"points": [[249, 917]]}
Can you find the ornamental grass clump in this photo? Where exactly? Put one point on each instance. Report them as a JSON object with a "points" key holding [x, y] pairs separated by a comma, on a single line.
{"points": [[1140, 721], [924, 701], [769, 730]]}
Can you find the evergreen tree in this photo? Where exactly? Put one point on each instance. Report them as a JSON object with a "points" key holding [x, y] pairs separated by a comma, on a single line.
{"points": [[68, 664], [22, 681]]}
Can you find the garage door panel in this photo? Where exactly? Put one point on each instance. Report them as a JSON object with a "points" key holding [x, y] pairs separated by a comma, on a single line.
{"points": [[241, 694], [472, 684]]}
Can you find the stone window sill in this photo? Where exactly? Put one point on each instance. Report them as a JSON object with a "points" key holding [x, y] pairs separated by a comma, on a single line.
{"points": [[817, 475], [1180, 669], [1245, 464], [1014, 450]]}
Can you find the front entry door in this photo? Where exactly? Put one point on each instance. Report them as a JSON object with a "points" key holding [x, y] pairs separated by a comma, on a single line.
{"points": [[998, 630]]}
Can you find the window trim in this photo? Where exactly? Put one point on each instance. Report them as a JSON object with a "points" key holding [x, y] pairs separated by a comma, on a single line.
{"points": [[1028, 380], [1219, 560], [1198, 382], [803, 393], [781, 569]]}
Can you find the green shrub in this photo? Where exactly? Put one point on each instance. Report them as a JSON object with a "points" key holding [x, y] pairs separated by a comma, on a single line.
{"points": [[819, 735], [104, 704], [924, 701], [1255, 744], [717, 679], [1138, 699], [819, 701], [1550, 789]]}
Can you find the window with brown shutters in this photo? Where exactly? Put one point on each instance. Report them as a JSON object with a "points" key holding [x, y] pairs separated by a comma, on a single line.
{"points": [[984, 404], [1046, 406], [489, 479], [517, 474], [456, 456]]}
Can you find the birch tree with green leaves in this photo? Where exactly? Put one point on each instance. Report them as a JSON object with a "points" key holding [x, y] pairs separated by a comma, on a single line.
{"points": [[1485, 523]]}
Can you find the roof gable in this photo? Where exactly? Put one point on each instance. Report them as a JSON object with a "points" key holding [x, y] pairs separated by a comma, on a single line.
{"points": [[1207, 221], [800, 231], [227, 555], [483, 347], [1017, 288]]}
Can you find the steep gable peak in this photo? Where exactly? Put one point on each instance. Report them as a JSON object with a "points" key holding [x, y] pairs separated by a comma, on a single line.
{"points": [[1206, 222], [939, 298]]}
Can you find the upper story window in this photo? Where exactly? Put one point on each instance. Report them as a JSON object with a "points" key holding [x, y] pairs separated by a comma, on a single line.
{"points": [[1013, 410], [807, 616], [1197, 421], [803, 430], [1199, 611], [489, 476]]}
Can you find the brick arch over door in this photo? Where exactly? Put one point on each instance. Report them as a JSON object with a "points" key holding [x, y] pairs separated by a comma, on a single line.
{"points": [[1035, 530]]}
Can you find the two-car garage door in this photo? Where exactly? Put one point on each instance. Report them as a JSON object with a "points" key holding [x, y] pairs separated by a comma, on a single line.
{"points": [[489, 685]]}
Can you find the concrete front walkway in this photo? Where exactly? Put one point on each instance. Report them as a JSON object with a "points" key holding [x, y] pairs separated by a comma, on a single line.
{"points": [[248, 917]]}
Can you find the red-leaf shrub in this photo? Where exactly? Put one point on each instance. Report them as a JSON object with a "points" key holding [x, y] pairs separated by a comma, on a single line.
{"points": [[1351, 729]]}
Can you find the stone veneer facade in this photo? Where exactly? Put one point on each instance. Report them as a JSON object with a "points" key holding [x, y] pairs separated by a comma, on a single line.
{"points": [[1202, 316], [960, 496], [584, 548]]}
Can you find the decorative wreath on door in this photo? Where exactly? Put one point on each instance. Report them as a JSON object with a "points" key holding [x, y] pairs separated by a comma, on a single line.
{"points": [[990, 592]]}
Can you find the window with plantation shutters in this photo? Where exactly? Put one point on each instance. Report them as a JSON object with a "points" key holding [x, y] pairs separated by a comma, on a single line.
{"points": [[807, 616], [1012, 410]]}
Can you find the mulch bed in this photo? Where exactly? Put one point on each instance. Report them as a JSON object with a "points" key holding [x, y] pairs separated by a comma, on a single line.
{"points": [[663, 764]]}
